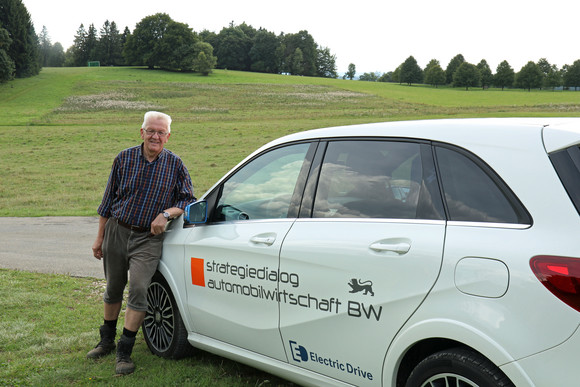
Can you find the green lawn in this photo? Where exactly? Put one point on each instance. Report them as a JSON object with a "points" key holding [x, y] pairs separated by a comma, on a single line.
{"points": [[60, 131], [50, 322]]}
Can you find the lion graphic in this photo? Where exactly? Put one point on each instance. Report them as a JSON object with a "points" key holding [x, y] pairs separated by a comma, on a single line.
{"points": [[359, 285]]}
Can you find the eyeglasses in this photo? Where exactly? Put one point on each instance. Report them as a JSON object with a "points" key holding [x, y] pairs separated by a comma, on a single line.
{"points": [[151, 133]]}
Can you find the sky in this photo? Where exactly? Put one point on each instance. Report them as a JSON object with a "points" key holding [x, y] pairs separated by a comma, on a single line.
{"points": [[375, 35]]}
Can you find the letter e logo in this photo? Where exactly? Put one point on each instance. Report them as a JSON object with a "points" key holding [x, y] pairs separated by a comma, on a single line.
{"points": [[299, 353]]}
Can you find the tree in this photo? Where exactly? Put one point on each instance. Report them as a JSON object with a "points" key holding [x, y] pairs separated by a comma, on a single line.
{"points": [[544, 67], [308, 49], [6, 63], [205, 61], [325, 63], [45, 47], [160, 41], [530, 76], [386, 77], [551, 76], [23, 51], [143, 47], [351, 72], [370, 77], [411, 72], [110, 45], [572, 75], [264, 54], [432, 63], [125, 35], [51, 55], [434, 74], [91, 41], [209, 37], [504, 75], [57, 57], [486, 74], [554, 78], [249, 31], [177, 47], [280, 56], [297, 60], [242, 47], [232, 48], [453, 66], [78, 52], [397, 74], [466, 75]]}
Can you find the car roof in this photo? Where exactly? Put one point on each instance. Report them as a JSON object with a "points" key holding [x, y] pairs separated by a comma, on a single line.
{"points": [[490, 138], [562, 134], [465, 132]]}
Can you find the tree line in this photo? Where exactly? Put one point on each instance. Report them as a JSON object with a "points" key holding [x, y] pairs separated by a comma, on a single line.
{"points": [[158, 41], [460, 73]]}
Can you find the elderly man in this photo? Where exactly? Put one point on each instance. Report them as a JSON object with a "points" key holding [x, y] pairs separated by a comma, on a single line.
{"points": [[147, 187]]}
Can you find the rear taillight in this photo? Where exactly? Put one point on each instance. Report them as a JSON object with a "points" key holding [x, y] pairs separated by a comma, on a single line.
{"points": [[561, 275]]}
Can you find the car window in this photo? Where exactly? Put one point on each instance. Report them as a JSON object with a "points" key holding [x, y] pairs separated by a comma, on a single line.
{"points": [[263, 188], [371, 179], [473, 192], [567, 165]]}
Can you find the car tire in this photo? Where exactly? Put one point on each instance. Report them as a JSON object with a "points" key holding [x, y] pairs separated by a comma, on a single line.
{"points": [[457, 367], [163, 328]]}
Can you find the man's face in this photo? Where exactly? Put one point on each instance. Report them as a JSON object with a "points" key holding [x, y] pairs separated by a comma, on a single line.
{"points": [[154, 136]]}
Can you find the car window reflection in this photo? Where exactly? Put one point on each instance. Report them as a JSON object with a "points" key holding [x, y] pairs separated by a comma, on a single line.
{"points": [[369, 179], [263, 188], [471, 194]]}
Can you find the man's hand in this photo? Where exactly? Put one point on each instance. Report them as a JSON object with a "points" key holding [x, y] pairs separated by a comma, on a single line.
{"points": [[98, 245], [158, 225], [98, 248]]}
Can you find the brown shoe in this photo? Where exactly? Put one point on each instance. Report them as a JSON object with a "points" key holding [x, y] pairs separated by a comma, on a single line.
{"points": [[124, 365], [106, 345]]}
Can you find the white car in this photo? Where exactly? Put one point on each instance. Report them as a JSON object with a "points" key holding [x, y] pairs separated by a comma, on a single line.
{"points": [[412, 253]]}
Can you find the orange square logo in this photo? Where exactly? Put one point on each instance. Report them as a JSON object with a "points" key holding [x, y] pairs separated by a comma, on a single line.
{"points": [[197, 273]]}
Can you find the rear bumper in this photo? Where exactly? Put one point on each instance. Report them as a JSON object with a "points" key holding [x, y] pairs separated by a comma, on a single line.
{"points": [[557, 366]]}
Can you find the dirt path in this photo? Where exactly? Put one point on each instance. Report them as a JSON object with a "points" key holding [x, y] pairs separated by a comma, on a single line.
{"points": [[50, 245]]}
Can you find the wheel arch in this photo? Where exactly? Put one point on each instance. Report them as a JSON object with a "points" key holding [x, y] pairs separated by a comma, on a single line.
{"points": [[422, 339], [418, 352], [177, 286]]}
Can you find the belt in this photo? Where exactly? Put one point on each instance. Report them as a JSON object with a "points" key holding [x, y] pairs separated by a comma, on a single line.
{"points": [[132, 228]]}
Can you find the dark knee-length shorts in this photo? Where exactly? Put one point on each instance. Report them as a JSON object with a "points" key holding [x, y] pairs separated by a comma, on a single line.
{"points": [[129, 256]]}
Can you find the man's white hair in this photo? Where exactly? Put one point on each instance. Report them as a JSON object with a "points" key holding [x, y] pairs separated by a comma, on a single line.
{"points": [[157, 115]]}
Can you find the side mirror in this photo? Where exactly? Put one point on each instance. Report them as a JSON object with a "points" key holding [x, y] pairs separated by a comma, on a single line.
{"points": [[196, 213]]}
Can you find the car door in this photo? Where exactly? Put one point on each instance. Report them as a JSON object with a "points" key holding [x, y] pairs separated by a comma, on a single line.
{"points": [[233, 272], [364, 260]]}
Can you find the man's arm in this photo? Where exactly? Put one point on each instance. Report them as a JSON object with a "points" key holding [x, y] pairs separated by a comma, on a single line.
{"points": [[159, 223], [98, 245]]}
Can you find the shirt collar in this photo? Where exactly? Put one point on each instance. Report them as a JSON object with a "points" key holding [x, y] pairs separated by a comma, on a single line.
{"points": [[160, 156]]}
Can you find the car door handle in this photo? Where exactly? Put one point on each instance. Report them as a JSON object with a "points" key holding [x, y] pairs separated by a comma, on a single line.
{"points": [[263, 239], [399, 247]]}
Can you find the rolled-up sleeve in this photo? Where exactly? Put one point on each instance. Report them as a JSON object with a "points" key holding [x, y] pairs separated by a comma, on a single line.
{"points": [[183, 194], [110, 191]]}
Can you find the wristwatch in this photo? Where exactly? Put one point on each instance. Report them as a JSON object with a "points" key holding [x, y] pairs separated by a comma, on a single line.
{"points": [[166, 215]]}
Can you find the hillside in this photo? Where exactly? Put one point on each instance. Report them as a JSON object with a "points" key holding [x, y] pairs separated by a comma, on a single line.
{"points": [[60, 131]]}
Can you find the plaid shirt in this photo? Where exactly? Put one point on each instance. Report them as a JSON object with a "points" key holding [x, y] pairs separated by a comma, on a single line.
{"points": [[138, 191]]}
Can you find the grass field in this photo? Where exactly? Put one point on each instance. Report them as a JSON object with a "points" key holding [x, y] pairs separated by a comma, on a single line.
{"points": [[49, 322], [60, 131]]}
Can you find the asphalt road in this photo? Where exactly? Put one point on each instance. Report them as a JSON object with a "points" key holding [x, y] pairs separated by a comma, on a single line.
{"points": [[50, 245]]}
